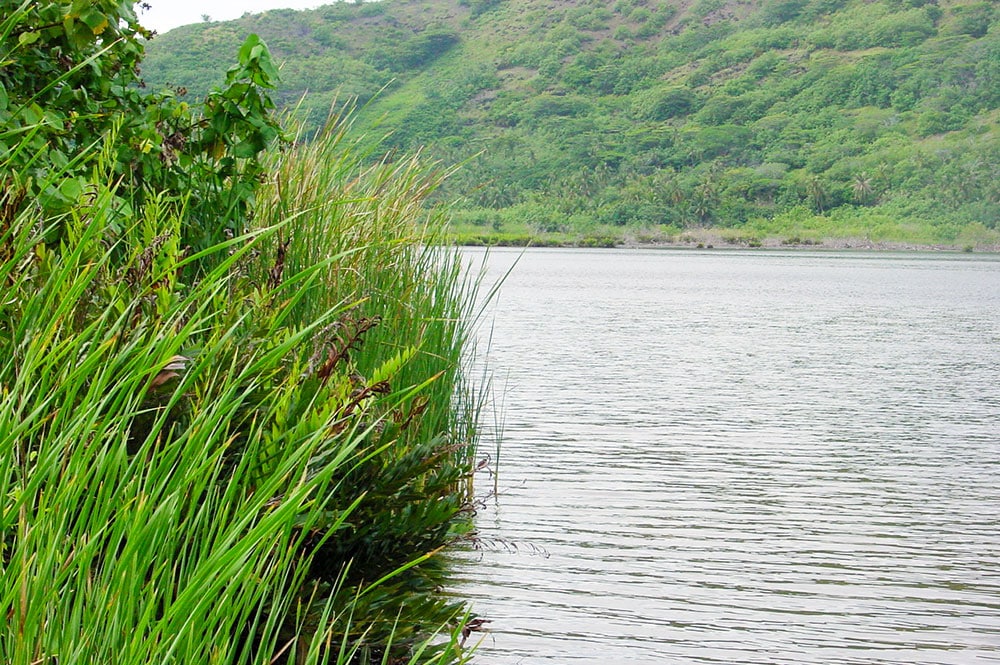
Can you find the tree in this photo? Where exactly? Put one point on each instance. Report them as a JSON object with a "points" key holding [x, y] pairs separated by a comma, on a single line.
{"points": [[65, 65], [671, 103], [817, 193], [862, 188], [70, 80]]}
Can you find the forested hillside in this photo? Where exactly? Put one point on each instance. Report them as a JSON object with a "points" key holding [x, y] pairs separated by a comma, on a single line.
{"points": [[804, 119]]}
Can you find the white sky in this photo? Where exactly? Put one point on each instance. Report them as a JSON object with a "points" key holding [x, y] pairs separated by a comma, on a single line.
{"points": [[167, 14]]}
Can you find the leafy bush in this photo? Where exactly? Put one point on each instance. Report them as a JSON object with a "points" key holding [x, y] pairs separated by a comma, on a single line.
{"points": [[417, 51], [776, 12], [544, 106], [71, 76], [478, 7], [973, 20], [668, 103]]}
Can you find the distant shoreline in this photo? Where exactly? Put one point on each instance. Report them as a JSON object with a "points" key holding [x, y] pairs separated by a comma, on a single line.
{"points": [[829, 244], [702, 240]]}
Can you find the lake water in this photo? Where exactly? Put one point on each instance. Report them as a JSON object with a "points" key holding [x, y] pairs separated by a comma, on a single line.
{"points": [[742, 457]]}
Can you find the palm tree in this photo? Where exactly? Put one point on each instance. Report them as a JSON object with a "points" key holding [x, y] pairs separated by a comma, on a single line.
{"points": [[817, 192], [863, 188], [703, 202]]}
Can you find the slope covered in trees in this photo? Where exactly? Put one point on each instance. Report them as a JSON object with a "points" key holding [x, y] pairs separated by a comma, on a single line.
{"points": [[808, 118]]}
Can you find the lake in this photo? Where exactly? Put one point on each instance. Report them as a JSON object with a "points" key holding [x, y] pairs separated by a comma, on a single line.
{"points": [[741, 457]]}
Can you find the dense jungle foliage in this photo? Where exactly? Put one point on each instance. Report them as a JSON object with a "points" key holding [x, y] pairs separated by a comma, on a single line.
{"points": [[234, 423], [813, 118]]}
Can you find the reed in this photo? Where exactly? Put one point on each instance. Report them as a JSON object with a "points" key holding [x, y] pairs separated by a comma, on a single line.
{"points": [[404, 297], [255, 453]]}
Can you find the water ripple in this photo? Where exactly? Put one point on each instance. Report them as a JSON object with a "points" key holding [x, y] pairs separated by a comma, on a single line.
{"points": [[744, 458]]}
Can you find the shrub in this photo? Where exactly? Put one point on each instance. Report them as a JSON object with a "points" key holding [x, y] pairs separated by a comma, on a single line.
{"points": [[70, 77], [669, 103], [776, 12]]}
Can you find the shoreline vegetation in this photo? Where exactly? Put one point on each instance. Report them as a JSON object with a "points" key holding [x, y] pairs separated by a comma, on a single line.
{"points": [[235, 424], [721, 238], [695, 239]]}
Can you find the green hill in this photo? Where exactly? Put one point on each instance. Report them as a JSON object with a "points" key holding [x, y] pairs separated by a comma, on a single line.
{"points": [[800, 119]]}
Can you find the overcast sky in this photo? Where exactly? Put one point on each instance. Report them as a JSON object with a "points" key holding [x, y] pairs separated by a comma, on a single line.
{"points": [[167, 14]]}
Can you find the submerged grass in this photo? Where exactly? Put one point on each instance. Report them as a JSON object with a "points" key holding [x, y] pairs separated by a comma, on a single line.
{"points": [[253, 454]]}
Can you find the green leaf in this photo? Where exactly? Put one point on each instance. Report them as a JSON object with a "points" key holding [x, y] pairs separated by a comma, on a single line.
{"points": [[58, 158], [95, 20], [70, 189], [236, 91], [32, 114], [246, 149], [28, 38], [246, 51]]}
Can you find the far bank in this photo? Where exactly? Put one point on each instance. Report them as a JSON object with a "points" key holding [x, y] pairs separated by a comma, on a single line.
{"points": [[819, 233]]}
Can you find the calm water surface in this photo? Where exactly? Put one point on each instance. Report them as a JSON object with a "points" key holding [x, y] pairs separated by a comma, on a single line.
{"points": [[743, 457]]}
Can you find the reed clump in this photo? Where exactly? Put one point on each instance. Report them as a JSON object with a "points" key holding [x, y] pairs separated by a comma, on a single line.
{"points": [[254, 452]]}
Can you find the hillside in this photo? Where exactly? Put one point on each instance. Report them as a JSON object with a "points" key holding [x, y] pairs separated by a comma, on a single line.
{"points": [[804, 119]]}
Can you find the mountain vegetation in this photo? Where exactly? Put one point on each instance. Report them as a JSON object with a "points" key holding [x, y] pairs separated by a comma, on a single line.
{"points": [[591, 121]]}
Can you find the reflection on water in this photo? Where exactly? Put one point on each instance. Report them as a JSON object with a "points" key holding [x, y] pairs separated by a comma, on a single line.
{"points": [[742, 457]]}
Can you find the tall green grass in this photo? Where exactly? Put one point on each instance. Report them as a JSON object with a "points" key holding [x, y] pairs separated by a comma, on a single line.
{"points": [[257, 453]]}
